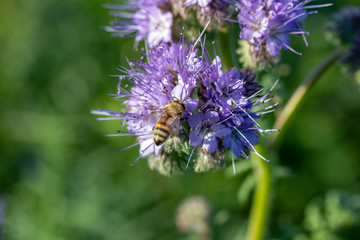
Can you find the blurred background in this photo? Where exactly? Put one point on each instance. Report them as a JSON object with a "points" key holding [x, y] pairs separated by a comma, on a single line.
{"points": [[61, 178]]}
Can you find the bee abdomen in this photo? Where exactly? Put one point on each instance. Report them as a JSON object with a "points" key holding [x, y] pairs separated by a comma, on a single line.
{"points": [[161, 133]]}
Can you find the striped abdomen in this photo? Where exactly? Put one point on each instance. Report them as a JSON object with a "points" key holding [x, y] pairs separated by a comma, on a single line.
{"points": [[161, 130]]}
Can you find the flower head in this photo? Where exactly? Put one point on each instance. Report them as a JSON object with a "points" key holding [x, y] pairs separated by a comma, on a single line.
{"points": [[144, 19], [227, 119], [267, 25], [178, 100], [160, 20], [169, 74]]}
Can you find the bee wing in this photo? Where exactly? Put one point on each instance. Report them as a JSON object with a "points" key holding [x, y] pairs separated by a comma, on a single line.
{"points": [[152, 118], [174, 125]]}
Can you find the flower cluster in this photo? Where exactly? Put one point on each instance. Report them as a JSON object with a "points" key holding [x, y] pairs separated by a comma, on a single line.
{"points": [[178, 99], [182, 99], [266, 25], [154, 21]]}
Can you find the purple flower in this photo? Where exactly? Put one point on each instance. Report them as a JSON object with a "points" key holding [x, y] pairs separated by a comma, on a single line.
{"points": [[227, 118], [226, 89], [271, 22], [170, 74], [219, 109], [144, 19], [207, 130]]}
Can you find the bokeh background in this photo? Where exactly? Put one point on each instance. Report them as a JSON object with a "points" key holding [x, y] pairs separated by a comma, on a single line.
{"points": [[61, 178]]}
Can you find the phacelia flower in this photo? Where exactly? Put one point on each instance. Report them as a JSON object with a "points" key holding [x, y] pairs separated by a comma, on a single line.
{"points": [[227, 119], [207, 129], [143, 19], [180, 106], [267, 25], [170, 74], [161, 20]]}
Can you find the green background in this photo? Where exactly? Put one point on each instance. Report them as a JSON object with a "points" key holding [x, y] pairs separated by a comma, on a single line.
{"points": [[61, 178]]}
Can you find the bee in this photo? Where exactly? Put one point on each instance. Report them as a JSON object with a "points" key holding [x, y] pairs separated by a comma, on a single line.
{"points": [[168, 123]]}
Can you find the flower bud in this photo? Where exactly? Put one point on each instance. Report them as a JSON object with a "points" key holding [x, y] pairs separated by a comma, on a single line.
{"points": [[344, 26], [343, 30]]}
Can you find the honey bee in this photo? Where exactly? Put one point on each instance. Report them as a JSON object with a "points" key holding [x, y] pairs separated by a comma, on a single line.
{"points": [[168, 123]]}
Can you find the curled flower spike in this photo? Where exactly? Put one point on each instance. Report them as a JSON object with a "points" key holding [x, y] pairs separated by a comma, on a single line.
{"points": [[207, 10], [351, 59], [181, 107], [343, 30], [343, 27], [267, 25]]}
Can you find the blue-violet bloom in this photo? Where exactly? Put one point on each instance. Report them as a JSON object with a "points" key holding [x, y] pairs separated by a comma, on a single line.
{"points": [[220, 108], [271, 22], [169, 74], [144, 20]]}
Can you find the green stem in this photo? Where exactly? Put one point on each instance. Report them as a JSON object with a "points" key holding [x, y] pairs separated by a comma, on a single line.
{"points": [[299, 95], [224, 39], [260, 207]]}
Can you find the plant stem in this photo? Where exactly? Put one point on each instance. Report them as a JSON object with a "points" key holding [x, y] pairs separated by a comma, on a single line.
{"points": [[260, 206], [299, 95]]}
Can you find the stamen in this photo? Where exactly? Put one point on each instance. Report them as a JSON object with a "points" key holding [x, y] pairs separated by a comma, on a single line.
{"points": [[142, 153], [128, 147], [232, 158], [190, 157], [318, 6], [256, 152], [245, 113], [229, 20], [203, 31], [290, 20]]}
